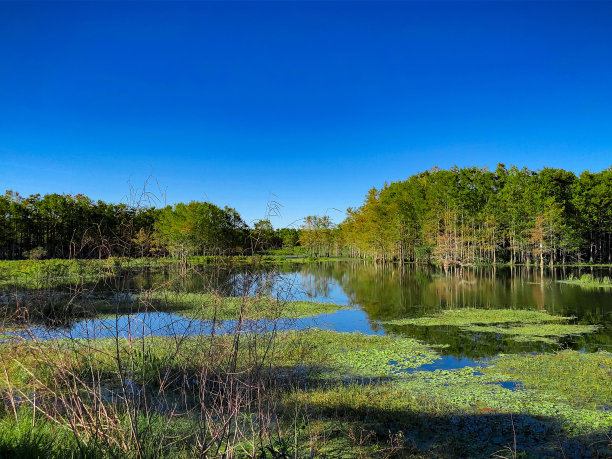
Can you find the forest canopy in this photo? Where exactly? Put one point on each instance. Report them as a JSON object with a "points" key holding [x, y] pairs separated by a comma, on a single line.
{"points": [[67, 226], [474, 215], [459, 216]]}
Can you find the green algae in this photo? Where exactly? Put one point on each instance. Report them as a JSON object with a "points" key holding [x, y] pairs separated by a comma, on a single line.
{"points": [[581, 379], [472, 404], [468, 317], [476, 411], [547, 333], [520, 325], [465, 391], [354, 353]]}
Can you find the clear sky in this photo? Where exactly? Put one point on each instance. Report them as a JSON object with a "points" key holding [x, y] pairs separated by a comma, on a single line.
{"points": [[306, 103]]}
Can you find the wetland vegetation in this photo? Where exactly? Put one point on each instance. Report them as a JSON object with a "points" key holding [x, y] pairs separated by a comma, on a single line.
{"points": [[346, 359], [181, 331]]}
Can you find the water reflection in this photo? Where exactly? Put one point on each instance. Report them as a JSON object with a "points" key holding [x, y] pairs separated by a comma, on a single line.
{"points": [[145, 324], [378, 294], [392, 292]]}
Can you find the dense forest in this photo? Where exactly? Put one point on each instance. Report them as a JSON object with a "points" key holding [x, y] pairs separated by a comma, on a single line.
{"points": [[452, 217], [473, 215], [66, 226]]}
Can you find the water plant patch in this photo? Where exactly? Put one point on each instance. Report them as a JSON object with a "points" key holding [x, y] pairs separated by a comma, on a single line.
{"points": [[547, 333], [465, 317]]}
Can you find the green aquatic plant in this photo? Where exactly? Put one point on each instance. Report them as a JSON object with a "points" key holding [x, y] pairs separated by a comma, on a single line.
{"points": [[208, 306], [472, 407], [548, 333], [350, 381], [582, 379], [468, 317], [520, 325], [370, 355], [588, 280]]}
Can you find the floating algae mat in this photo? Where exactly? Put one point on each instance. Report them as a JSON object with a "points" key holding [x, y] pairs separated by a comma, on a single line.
{"points": [[464, 317], [581, 379], [519, 324], [358, 354], [576, 403], [542, 332], [543, 402]]}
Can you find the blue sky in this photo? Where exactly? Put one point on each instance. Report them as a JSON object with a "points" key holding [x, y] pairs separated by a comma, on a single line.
{"points": [[309, 104]]}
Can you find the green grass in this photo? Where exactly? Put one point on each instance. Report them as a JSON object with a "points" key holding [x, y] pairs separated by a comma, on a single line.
{"points": [[207, 306], [353, 402], [327, 354], [587, 280], [59, 308], [26, 437], [41, 274]]}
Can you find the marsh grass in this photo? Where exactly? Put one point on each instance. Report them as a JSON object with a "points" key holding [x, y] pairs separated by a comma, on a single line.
{"points": [[44, 274], [53, 273], [209, 306], [588, 280], [124, 394], [304, 393]]}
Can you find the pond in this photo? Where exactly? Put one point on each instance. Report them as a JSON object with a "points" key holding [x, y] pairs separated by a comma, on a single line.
{"points": [[376, 295]]}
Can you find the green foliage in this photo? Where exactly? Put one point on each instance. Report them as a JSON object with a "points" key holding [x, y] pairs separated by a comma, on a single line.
{"points": [[588, 280], [319, 236], [200, 228], [37, 253], [470, 216], [67, 226]]}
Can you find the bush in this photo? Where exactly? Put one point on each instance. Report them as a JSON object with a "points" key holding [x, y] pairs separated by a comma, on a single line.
{"points": [[37, 253]]}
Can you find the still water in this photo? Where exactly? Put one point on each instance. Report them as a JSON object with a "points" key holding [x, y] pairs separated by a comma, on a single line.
{"points": [[374, 295]]}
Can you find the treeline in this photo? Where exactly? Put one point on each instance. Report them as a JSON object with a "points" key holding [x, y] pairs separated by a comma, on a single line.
{"points": [[473, 215], [452, 217], [67, 226]]}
